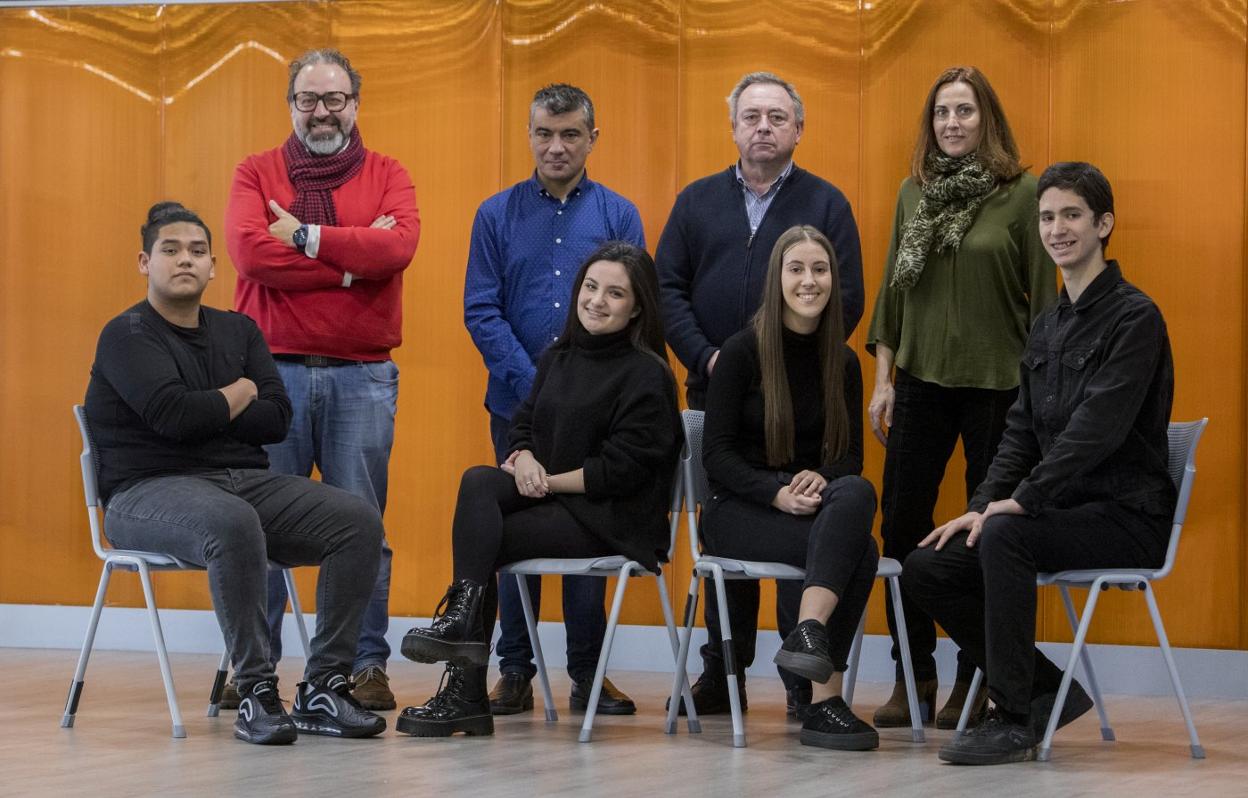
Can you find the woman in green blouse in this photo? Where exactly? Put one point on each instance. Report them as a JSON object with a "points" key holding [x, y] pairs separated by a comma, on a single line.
{"points": [[966, 274]]}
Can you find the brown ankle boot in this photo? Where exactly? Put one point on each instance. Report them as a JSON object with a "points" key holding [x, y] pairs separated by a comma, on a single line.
{"points": [[897, 711], [949, 714]]}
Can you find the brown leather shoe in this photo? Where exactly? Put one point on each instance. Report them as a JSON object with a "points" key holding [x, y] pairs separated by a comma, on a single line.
{"points": [[611, 701], [949, 714], [896, 712], [229, 696], [372, 688]]}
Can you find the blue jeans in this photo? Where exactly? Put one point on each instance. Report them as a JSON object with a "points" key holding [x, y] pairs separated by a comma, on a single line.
{"points": [[583, 614], [343, 423]]}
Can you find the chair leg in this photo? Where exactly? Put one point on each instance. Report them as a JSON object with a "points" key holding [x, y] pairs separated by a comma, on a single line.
{"points": [[604, 656], [1107, 731], [851, 674], [692, 713], [218, 684], [682, 660], [297, 610], [730, 659], [1198, 751], [75, 685], [166, 673], [907, 665], [543, 678], [1046, 745], [965, 717]]}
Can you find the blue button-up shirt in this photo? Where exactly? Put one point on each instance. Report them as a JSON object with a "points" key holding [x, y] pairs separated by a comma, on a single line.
{"points": [[756, 205], [526, 249]]}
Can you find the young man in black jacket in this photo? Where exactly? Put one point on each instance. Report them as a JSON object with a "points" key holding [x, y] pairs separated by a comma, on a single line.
{"points": [[1080, 479], [182, 398]]}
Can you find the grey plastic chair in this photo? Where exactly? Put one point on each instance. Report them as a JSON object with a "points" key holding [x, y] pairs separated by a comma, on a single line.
{"points": [[1182, 466], [143, 562], [604, 567], [722, 569]]}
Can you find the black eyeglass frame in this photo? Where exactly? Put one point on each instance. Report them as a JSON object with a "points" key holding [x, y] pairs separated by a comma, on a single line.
{"points": [[321, 98]]}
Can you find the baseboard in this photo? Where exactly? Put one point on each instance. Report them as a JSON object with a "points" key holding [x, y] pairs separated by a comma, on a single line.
{"points": [[1130, 670]]}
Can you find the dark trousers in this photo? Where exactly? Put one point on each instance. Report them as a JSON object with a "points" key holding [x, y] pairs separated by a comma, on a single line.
{"points": [[834, 546], [985, 597], [233, 522], [928, 419], [495, 525]]}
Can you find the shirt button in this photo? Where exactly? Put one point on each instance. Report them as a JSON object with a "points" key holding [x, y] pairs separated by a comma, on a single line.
{"points": [[1049, 398], [559, 213], [558, 240], [556, 338], [557, 272], [556, 304]]}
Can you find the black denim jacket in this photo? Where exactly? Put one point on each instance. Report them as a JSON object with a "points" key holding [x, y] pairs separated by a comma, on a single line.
{"points": [[1089, 425]]}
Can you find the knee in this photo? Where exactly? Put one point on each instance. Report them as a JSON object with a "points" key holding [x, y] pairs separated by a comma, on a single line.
{"points": [[854, 491], [234, 529], [477, 480], [918, 569], [362, 518], [999, 538]]}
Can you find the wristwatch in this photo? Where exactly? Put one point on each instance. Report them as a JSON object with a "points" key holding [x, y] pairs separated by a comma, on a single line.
{"points": [[300, 237]]}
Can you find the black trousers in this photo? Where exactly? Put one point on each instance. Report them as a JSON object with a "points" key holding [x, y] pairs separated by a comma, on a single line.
{"points": [[985, 597], [928, 419], [834, 546]]}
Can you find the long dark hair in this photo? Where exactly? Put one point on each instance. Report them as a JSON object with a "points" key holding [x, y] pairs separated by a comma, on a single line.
{"points": [[769, 328], [997, 150], [645, 330]]}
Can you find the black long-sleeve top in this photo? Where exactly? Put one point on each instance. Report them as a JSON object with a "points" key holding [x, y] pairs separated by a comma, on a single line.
{"points": [[734, 437], [153, 402], [609, 408], [1089, 424]]}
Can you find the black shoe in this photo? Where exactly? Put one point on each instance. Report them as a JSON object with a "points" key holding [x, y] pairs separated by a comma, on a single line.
{"points": [[996, 741], [458, 706], [797, 701], [512, 694], [710, 694], [329, 708], [805, 652], [832, 724], [261, 717], [1077, 703], [456, 633], [610, 700]]}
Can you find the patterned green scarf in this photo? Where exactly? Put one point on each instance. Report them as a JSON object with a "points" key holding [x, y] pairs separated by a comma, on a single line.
{"points": [[946, 211]]}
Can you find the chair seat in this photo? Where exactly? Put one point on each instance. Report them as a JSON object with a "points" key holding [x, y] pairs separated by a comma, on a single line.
{"points": [[582, 565], [1085, 578], [155, 561], [753, 569], [887, 568]]}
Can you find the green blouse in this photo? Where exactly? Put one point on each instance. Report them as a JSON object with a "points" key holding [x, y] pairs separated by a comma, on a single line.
{"points": [[963, 325]]}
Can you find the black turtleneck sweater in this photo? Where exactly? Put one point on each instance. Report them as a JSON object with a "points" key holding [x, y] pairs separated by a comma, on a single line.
{"points": [[735, 442], [602, 405]]}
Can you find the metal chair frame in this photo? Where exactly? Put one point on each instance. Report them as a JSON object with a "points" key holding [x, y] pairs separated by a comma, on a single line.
{"points": [[722, 569]]}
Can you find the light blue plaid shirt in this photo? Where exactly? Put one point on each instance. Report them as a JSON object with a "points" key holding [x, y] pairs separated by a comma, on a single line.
{"points": [[756, 205]]}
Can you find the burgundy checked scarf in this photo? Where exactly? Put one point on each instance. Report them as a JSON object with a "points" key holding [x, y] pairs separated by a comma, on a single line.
{"points": [[316, 176]]}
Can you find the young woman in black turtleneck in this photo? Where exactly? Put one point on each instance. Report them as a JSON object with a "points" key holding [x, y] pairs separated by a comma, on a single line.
{"points": [[783, 452], [593, 452]]}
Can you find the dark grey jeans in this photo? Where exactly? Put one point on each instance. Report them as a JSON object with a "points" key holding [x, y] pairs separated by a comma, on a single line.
{"points": [[233, 522]]}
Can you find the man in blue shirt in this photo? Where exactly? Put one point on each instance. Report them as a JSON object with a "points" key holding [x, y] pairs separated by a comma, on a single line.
{"points": [[527, 244]]}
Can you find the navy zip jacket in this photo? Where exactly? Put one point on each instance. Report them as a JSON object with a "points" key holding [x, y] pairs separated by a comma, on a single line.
{"points": [[711, 270]]}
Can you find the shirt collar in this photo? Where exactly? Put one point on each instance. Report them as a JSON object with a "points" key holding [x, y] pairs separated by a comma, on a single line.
{"points": [[770, 189], [1100, 286], [583, 186]]}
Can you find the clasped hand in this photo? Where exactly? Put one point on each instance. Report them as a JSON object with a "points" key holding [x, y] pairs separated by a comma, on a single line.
{"points": [[803, 495], [284, 227], [972, 521], [531, 477]]}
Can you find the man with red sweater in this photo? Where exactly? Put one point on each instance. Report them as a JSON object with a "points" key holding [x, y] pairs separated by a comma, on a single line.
{"points": [[320, 231]]}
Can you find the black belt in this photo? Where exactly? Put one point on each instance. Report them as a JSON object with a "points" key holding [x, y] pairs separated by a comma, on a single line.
{"points": [[316, 361]]}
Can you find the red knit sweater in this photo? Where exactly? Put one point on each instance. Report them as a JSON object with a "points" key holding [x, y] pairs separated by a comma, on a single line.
{"points": [[299, 302]]}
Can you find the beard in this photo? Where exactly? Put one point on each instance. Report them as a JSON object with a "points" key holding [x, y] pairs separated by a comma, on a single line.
{"points": [[322, 143]]}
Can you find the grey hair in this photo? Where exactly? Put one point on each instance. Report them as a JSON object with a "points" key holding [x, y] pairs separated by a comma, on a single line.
{"points": [[325, 55], [562, 98], [749, 79]]}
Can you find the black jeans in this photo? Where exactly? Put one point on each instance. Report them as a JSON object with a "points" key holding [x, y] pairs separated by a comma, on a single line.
{"points": [[985, 597], [928, 419], [584, 618], [233, 522], [834, 546]]}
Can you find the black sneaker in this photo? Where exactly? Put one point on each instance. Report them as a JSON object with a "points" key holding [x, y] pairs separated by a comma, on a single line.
{"points": [[996, 741], [329, 708], [832, 724], [805, 652], [458, 706], [261, 717], [797, 701], [611, 700], [512, 694], [1077, 703], [710, 694]]}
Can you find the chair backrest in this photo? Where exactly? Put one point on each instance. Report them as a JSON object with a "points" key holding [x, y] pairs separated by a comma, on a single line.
{"points": [[90, 488], [1183, 437], [696, 487]]}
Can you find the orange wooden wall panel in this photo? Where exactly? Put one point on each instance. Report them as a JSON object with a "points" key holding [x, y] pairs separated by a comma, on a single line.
{"points": [[109, 109]]}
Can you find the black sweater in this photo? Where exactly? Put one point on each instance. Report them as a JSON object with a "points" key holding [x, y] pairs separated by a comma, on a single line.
{"points": [[711, 268], [735, 442], [606, 407], [153, 402]]}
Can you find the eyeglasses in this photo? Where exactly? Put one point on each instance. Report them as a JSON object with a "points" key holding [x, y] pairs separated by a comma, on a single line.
{"points": [[334, 100]]}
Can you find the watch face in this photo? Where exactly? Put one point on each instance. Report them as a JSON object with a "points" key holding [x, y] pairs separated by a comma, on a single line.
{"points": [[300, 237]]}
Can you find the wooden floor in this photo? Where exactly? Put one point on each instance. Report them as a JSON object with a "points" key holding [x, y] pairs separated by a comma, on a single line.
{"points": [[121, 746]]}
